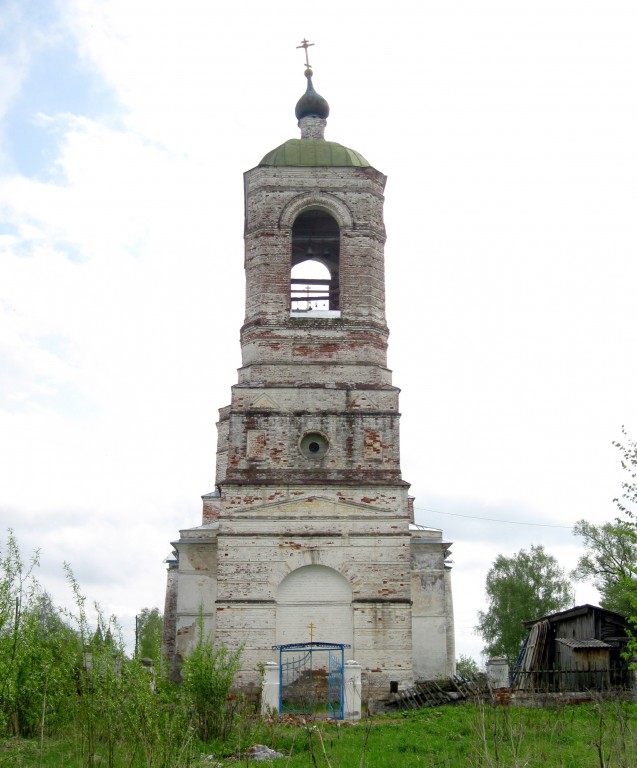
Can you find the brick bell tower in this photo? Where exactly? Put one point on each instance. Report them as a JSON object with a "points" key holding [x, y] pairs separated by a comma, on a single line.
{"points": [[310, 520]]}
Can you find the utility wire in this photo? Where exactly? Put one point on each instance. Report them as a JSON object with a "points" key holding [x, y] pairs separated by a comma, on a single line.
{"points": [[493, 519]]}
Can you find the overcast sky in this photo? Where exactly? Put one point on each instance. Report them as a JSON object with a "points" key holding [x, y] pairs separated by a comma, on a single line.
{"points": [[507, 131]]}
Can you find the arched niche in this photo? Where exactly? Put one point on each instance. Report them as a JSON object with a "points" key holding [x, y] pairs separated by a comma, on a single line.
{"points": [[315, 243], [314, 595]]}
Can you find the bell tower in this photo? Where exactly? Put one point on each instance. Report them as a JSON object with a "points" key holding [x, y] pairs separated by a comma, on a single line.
{"points": [[310, 521], [314, 404]]}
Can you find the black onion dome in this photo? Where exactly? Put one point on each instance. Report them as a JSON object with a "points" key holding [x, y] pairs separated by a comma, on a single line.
{"points": [[311, 104]]}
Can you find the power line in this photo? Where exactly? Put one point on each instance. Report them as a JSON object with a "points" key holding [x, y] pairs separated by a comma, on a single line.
{"points": [[493, 519]]}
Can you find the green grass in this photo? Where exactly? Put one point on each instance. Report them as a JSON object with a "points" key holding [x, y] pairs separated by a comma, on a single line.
{"points": [[470, 736]]}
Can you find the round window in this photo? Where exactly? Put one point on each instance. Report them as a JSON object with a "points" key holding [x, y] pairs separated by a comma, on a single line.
{"points": [[314, 445]]}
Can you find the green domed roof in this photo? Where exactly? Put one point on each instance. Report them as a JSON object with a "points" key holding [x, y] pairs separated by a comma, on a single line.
{"points": [[314, 152]]}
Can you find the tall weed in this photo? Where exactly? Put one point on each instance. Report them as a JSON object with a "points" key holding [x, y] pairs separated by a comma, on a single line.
{"points": [[207, 676]]}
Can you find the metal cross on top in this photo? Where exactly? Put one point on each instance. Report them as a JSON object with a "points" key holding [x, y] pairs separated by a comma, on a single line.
{"points": [[311, 626], [305, 44]]}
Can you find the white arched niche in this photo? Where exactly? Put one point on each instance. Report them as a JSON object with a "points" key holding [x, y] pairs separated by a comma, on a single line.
{"points": [[317, 595]]}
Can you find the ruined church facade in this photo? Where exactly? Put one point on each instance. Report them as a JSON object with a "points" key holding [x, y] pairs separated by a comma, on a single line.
{"points": [[310, 522]]}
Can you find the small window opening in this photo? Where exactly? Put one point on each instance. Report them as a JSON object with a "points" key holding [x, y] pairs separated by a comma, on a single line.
{"points": [[314, 445], [314, 277]]}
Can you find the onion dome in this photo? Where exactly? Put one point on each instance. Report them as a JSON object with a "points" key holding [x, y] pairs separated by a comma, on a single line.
{"points": [[312, 149], [311, 104]]}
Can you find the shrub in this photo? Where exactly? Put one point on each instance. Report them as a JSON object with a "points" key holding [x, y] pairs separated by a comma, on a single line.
{"points": [[208, 673]]}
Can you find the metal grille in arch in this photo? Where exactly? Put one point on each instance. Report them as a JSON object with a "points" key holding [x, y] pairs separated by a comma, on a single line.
{"points": [[311, 678]]}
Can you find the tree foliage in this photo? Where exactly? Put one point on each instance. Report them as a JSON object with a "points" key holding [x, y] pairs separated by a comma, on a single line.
{"points": [[610, 562], [150, 624], [37, 648], [627, 503], [610, 558], [520, 588], [467, 667], [67, 672], [46, 668]]}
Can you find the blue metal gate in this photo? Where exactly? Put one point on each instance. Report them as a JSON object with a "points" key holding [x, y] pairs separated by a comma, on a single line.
{"points": [[311, 678]]}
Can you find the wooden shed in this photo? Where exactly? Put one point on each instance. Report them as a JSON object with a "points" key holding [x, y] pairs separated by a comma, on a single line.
{"points": [[575, 650]]}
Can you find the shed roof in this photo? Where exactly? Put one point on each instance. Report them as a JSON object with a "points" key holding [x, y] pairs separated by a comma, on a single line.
{"points": [[581, 645], [571, 613]]}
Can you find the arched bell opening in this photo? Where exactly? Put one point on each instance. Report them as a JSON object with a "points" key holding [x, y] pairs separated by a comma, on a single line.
{"points": [[310, 286], [314, 269]]}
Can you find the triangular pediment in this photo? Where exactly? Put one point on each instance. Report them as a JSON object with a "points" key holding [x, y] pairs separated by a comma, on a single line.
{"points": [[313, 506], [363, 402], [264, 401]]}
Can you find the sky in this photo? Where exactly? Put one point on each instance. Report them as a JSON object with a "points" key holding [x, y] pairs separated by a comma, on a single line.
{"points": [[507, 132]]}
